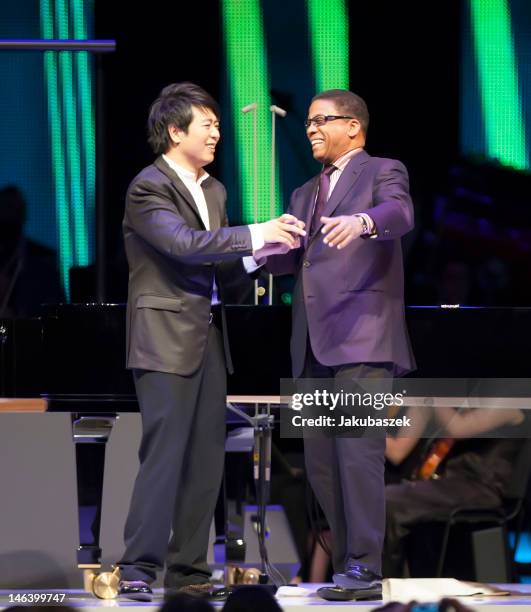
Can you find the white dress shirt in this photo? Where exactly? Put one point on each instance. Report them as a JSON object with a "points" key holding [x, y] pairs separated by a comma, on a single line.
{"points": [[193, 184], [340, 164]]}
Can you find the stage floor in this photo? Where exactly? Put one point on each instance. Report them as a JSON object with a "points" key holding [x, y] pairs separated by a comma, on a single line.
{"points": [[520, 599]]}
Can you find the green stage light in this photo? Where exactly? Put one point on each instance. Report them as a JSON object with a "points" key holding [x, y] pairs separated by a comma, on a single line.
{"points": [[249, 82], [328, 26], [73, 153], [83, 64], [498, 79], [72, 131], [286, 298], [55, 121]]}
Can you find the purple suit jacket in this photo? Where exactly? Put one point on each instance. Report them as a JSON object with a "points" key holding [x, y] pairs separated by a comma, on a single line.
{"points": [[351, 302]]}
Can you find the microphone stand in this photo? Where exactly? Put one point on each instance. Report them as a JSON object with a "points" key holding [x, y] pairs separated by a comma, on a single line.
{"points": [[246, 109], [262, 422], [275, 110]]}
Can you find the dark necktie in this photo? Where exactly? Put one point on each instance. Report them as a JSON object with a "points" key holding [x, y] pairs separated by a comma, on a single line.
{"points": [[322, 197]]}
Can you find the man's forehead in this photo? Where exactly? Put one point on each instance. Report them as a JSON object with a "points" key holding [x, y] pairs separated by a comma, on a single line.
{"points": [[322, 107], [202, 112]]}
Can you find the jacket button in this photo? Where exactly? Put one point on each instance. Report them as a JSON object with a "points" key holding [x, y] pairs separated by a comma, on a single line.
{"points": [[306, 263]]}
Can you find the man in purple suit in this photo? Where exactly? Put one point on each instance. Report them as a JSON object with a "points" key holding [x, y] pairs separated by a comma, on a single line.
{"points": [[348, 319]]}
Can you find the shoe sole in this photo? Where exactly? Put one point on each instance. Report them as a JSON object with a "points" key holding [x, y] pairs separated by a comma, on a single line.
{"points": [[352, 583], [341, 594], [334, 594]]}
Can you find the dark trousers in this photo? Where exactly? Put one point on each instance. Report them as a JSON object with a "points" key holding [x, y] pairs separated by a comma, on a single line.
{"points": [[347, 477], [181, 464]]}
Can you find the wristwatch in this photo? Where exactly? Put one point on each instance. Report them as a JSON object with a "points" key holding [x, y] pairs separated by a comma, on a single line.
{"points": [[365, 227]]}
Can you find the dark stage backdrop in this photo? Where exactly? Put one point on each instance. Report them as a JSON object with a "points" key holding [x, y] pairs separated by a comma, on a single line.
{"points": [[425, 69], [25, 148], [404, 60], [47, 125]]}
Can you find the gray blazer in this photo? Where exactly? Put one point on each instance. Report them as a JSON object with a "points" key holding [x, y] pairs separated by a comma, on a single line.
{"points": [[351, 302], [172, 264]]}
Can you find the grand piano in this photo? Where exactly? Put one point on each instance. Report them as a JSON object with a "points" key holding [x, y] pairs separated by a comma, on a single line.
{"points": [[71, 359]]}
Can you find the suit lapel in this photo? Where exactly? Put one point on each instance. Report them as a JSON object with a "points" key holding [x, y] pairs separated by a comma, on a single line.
{"points": [[213, 203], [179, 186], [345, 184]]}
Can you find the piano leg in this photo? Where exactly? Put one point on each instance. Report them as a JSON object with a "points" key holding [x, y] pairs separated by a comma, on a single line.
{"points": [[90, 434]]}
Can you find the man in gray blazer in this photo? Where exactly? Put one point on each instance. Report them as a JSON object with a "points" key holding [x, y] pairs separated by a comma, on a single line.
{"points": [[348, 318], [179, 249]]}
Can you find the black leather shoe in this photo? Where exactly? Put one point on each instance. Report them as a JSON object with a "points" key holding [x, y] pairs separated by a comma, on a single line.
{"points": [[137, 590], [338, 593], [197, 589], [357, 576]]}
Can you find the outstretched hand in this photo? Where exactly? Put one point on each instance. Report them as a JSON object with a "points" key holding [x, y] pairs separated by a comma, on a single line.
{"points": [[288, 231], [341, 231]]}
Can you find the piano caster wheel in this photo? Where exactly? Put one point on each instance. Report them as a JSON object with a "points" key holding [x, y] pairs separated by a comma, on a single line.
{"points": [[104, 585]]}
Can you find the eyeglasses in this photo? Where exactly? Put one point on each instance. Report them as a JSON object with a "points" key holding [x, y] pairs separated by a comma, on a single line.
{"points": [[319, 120]]}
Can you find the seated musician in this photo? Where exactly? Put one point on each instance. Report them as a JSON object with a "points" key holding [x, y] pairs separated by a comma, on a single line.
{"points": [[459, 470], [29, 274]]}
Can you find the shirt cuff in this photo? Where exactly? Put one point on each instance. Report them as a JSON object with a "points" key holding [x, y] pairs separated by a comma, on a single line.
{"points": [[257, 236], [251, 264]]}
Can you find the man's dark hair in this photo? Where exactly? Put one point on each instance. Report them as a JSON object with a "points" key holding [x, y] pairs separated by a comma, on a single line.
{"points": [[347, 103], [174, 107]]}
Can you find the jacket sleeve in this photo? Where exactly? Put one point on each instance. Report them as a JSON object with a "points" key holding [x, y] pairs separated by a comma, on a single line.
{"points": [[392, 211], [151, 214], [234, 282]]}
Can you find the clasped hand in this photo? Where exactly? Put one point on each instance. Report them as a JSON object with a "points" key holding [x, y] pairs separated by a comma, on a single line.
{"points": [[280, 236]]}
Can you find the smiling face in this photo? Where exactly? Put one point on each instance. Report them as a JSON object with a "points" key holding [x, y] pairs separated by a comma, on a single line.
{"points": [[334, 138], [196, 147]]}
